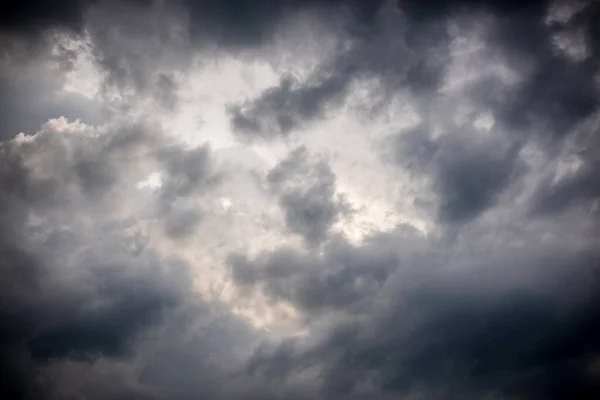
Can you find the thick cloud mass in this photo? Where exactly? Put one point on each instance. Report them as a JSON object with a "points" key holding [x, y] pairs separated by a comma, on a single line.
{"points": [[323, 199], [310, 210]]}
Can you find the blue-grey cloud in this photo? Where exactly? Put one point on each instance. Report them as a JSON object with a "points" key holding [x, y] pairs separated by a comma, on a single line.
{"points": [[496, 298]]}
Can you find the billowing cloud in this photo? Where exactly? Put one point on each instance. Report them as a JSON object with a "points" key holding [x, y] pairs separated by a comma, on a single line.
{"points": [[306, 191], [278, 110], [324, 199], [444, 319]]}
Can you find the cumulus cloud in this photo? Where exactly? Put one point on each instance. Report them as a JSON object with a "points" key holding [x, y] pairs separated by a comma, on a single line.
{"points": [[441, 323], [280, 109], [74, 291], [306, 191], [324, 199]]}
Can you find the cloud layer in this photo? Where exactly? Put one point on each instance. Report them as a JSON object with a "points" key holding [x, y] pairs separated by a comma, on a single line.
{"points": [[339, 199]]}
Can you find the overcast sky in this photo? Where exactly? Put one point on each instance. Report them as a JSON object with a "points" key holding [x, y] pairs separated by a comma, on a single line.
{"points": [[299, 200]]}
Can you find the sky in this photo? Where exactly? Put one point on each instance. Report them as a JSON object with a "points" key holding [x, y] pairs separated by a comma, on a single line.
{"points": [[300, 200]]}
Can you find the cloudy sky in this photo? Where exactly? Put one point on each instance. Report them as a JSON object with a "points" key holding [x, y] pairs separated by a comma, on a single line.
{"points": [[299, 199]]}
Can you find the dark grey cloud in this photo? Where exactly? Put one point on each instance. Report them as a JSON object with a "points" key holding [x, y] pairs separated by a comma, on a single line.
{"points": [[31, 79], [469, 181], [443, 325], [26, 108], [553, 101], [468, 176], [131, 302], [62, 299], [306, 192], [556, 96], [342, 278], [182, 223], [378, 49], [239, 26], [504, 306], [35, 65], [557, 92], [166, 90], [32, 15], [89, 301], [282, 108], [141, 47], [576, 190], [236, 24], [125, 34], [186, 171], [405, 45]]}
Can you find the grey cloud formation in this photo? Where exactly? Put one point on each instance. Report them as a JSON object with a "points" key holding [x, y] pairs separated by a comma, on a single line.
{"points": [[344, 277], [469, 181], [404, 45], [553, 106], [141, 47], [31, 79], [186, 173], [239, 26], [468, 176], [581, 188], [88, 300], [576, 189], [62, 298], [462, 321], [445, 324], [495, 297], [281, 109], [28, 16], [181, 223], [306, 191], [378, 49], [556, 93]]}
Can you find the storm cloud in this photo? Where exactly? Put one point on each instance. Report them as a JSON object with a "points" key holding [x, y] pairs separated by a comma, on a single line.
{"points": [[323, 199]]}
